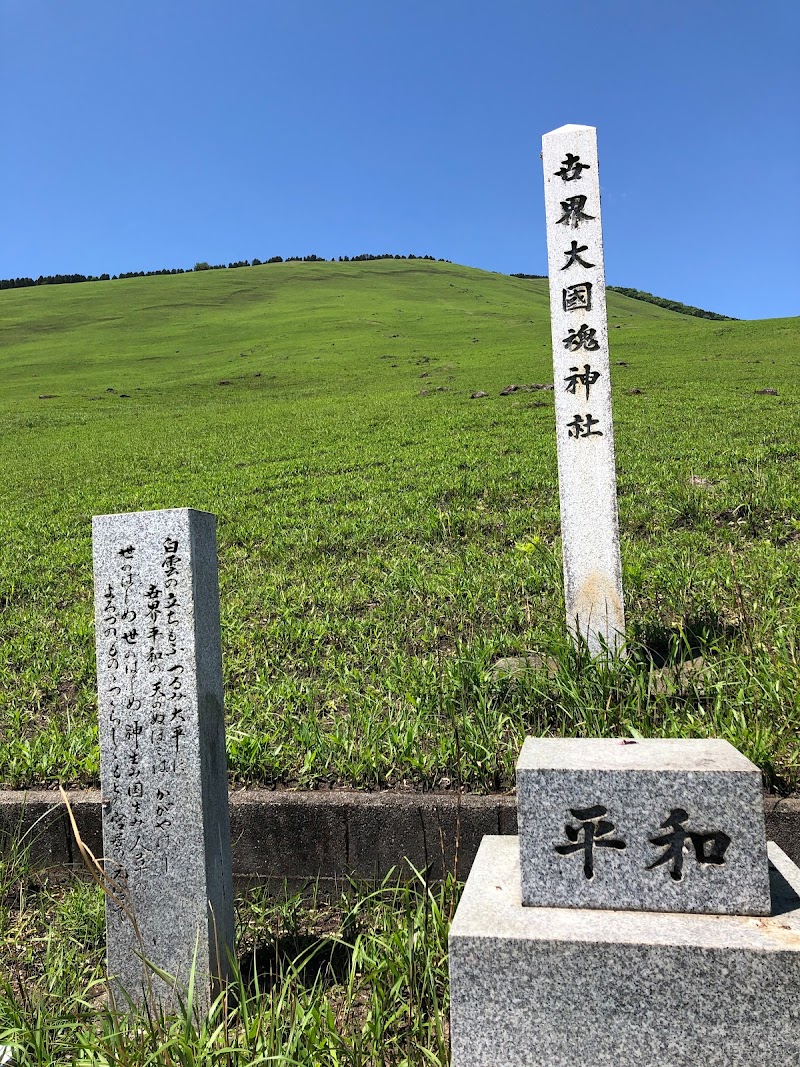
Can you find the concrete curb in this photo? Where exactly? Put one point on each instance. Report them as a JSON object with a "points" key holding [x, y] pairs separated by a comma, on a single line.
{"points": [[282, 834]]}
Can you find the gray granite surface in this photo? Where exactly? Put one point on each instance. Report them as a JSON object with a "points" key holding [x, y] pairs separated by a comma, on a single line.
{"points": [[653, 825], [166, 830], [587, 479], [558, 987]]}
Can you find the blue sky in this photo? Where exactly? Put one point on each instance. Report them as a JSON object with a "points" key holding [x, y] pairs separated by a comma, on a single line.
{"points": [[144, 135]]}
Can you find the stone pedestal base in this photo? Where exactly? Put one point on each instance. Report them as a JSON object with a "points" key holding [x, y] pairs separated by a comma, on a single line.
{"points": [[560, 987]]}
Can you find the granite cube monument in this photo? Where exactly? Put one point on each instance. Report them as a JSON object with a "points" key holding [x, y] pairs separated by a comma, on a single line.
{"points": [[664, 825], [608, 934], [166, 829]]}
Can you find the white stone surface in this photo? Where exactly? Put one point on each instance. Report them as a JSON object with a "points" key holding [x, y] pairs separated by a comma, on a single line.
{"points": [[166, 830], [558, 987], [584, 430], [653, 825]]}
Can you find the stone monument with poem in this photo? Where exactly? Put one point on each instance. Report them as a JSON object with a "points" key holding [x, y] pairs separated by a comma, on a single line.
{"points": [[166, 829]]}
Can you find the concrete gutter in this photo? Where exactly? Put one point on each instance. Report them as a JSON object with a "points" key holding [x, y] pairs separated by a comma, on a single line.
{"points": [[283, 834]]}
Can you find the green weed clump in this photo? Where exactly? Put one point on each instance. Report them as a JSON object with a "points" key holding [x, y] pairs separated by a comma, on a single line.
{"points": [[384, 539], [354, 976]]}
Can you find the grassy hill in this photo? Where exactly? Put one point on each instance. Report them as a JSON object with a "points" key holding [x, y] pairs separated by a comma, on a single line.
{"points": [[383, 537]]}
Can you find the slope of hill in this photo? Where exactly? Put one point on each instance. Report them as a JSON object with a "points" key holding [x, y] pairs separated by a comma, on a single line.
{"points": [[383, 537], [132, 330]]}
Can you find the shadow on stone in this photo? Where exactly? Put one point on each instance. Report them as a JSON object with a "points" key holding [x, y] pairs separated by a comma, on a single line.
{"points": [[784, 897]]}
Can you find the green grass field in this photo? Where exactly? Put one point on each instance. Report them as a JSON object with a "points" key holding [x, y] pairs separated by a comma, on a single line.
{"points": [[354, 977], [384, 538]]}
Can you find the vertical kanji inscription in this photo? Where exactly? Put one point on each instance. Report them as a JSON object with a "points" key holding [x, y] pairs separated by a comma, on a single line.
{"points": [[166, 835], [585, 437]]}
